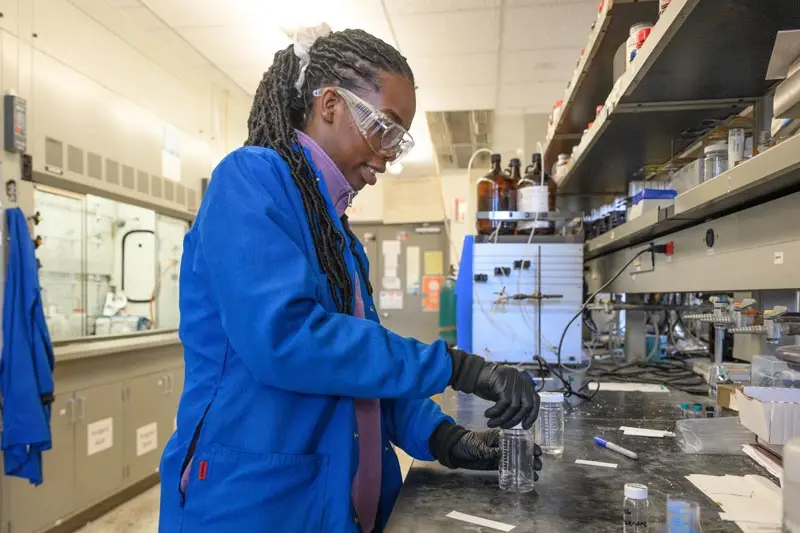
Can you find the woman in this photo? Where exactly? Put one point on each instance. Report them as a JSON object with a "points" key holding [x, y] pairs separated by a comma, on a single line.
{"points": [[294, 393]]}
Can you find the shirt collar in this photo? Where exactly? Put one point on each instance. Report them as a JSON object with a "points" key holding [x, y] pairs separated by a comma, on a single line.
{"points": [[339, 188]]}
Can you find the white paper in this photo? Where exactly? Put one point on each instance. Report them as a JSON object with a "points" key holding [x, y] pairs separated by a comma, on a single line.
{"points": [[390, 272], [643, 432], [595, 463], [628, 387], [412, 267], [146, 439], [391, 300], [478, 521], [389, 262], [99, 436], [391, 283], [390, 248], [764, 460]]}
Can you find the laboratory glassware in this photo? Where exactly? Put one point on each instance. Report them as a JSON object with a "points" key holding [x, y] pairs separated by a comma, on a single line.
{"points": [[683, 516], [516, 460], [634, 508], [496, 192], [549, 428]]}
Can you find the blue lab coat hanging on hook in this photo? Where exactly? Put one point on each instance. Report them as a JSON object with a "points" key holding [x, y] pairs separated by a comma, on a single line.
{"points": [[26, 367]]}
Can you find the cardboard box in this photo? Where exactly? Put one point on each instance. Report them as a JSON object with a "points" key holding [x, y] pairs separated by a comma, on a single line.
{"points": [[771, 413], [726, 396]]}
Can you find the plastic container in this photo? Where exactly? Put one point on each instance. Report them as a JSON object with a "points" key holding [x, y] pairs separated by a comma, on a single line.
{"points": [[562, 165], [516, 472], [683, 516], [735, 146], [632, 44], [634, 508], [549, 427], [712, 436], [716, 160], [536, 194]]}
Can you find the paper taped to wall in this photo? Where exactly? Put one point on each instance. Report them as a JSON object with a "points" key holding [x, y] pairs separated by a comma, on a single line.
{"points": [[412, 269], [434, 263], [390, 300]]}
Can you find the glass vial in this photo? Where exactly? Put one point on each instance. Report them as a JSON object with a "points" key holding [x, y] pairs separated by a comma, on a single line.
{"points": [[516, 460], [496, 192], [634, 508], [549, 426]]}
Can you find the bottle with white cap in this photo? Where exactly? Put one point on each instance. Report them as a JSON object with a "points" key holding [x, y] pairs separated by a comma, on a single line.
{"points": [[549, 427], [516, 472], [634, 508]]}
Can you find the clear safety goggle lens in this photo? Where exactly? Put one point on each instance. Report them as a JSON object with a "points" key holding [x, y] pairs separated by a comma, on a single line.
{"points": [[382, 134]]}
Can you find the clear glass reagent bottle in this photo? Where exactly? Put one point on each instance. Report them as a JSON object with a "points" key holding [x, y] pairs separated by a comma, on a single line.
{"points": [[549, 426], [516, 460], [634, 508]]}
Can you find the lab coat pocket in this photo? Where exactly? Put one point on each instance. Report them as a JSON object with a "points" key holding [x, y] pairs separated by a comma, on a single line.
{"points": [[234, 491]]}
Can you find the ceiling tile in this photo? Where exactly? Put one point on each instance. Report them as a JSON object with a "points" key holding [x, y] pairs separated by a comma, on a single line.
{"points": [[447, 33], [405, 7], [226, 47], [188, 13], [530, 95], [538, 65], [548, 26], [467, 69], [144, 17], [247, 77], [457, 98], [374, 23]]}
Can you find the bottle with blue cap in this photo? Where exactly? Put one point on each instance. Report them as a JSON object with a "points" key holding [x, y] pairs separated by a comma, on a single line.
{"points": [[549, 427]]}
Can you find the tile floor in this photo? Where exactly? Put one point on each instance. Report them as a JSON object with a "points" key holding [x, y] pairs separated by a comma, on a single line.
{"points": [[140, 515]]}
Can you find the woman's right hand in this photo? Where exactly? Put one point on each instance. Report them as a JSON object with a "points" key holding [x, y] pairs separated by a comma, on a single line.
{"points": [[513, 392]]}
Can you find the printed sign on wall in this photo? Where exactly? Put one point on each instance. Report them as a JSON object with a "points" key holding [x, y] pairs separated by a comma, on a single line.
{"points": [[146, 439], [100, 436], [431, 289]]}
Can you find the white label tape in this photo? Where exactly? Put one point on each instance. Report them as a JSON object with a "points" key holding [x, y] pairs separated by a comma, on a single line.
{"points": [[642, 432], [595, 463], [478, 521]]}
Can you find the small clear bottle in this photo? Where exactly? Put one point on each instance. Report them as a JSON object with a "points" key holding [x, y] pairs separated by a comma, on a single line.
{"points": [[634, 508], [516, 460], [549, 428]]}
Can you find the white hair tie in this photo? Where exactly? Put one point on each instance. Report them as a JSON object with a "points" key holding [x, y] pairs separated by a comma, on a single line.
{"points": [[303, 40]]}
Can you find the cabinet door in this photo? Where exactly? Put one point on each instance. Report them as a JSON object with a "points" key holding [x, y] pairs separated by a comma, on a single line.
{"points": [[34, 508], [98, 449], [145, 432]]}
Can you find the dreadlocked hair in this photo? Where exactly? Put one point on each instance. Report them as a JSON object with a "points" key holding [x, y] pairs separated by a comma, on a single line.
{"points": [[352, 59]]}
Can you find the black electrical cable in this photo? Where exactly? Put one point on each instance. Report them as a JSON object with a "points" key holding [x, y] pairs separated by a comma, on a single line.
{"points": [[673, 373], [568, 390]]}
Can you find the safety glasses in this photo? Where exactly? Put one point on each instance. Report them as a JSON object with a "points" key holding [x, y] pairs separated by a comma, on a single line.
{"points": [[386, 137]]}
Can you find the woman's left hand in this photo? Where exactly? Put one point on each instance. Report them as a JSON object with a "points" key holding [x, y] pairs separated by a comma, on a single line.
{"points": [[456, 447]]}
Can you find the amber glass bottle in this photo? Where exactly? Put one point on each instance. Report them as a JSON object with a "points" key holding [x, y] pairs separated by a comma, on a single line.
{"points": [[496, 192]]}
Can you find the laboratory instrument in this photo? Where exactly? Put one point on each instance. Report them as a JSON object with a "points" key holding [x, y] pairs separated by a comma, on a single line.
{"points": [[496, 192], [615, 448], [549, 428], [683, 516], [516, 460], [634, 508]]}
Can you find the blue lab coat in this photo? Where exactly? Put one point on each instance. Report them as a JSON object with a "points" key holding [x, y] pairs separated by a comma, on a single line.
{"points": [[26, 366], [267, 412]]}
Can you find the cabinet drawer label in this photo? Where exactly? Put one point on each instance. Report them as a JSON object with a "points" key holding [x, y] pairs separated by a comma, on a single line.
{"points": [[146, 439], [100, 436]]}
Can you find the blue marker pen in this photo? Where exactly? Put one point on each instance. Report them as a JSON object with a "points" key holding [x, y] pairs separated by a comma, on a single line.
{"points": [[615, 448]]}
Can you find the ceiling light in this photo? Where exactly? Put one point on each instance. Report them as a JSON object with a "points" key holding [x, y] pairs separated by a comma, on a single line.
{"points": [[394, 168]]}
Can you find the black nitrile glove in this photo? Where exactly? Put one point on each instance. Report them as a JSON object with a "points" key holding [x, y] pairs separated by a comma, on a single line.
{"points": [[516, 400], [455, 447]]}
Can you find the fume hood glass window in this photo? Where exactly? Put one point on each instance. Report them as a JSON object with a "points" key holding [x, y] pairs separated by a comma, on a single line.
{"points": [[61, 258], [119, 276]]}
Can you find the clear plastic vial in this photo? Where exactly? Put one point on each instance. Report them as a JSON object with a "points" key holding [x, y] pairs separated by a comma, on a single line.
{"points": [[516, 460], [634, 508], [549, 428]]}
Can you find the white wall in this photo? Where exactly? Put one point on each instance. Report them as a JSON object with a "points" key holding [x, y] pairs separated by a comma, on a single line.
{"points": [[98, 81]]}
